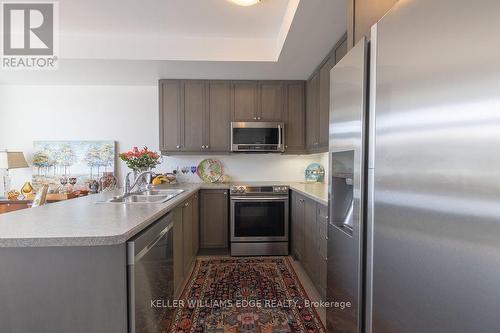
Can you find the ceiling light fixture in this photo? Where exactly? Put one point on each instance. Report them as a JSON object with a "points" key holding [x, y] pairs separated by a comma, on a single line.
{"points": [[245, 2]]}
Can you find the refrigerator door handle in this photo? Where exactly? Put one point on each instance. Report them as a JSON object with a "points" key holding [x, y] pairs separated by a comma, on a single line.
{"points": [[372, 98], [370, 190]]}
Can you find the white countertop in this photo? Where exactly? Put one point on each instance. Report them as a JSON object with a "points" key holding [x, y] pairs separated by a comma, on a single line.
{"points": [[84, 222]]}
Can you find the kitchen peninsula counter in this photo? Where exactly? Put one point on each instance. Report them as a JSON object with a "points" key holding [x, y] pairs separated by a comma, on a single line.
{"points": [[89, 222]]}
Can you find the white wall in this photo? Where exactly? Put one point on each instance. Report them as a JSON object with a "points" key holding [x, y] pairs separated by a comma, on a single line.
{"points": [[251, 167], [126, 114]]}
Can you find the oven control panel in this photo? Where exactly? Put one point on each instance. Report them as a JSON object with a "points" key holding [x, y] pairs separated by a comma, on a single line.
{"points": [[242, 189], [238, 189], [280, 189]]}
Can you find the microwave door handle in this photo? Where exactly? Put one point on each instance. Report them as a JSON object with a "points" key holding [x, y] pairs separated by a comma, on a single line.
{"points": [[280, 134]]}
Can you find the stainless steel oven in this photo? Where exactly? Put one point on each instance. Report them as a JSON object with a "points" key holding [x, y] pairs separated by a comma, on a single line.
{"points": [[259, 220], [257, 137]]}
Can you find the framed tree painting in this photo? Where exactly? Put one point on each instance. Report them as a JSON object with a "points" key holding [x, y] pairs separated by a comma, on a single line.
{"points": [[83, 160]]}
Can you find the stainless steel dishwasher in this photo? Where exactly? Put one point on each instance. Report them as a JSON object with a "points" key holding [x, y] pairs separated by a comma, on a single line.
{"points": [[150, 277]]}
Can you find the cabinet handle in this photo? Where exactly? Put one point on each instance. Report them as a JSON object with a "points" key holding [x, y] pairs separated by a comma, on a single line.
{"points": [[258, 118], [202, 147], [225, 193], [254, 118], [178, 147], [206, 147]]}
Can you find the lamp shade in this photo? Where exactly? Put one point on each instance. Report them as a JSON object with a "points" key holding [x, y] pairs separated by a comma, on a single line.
{"points": [[12, 160]]}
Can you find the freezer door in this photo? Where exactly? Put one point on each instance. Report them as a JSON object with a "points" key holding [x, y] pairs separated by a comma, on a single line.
{"points": [[347, 169], [435, 171]]}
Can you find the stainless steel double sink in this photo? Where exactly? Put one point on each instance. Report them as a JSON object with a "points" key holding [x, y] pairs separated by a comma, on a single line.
{"points": [[148, 196]]}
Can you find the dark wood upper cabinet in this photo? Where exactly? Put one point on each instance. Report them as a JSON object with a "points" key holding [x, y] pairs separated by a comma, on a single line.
{"points": [[245, 101], [318, 100], [193, 125], [170, 93], [196, 115], [271, 101], [341, 50], [312, 114], [295, 117], [324, 102], [219, 117], [362, 14]]}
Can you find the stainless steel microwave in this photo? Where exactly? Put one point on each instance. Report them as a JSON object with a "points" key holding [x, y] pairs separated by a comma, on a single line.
{"points": [[257, 137]]}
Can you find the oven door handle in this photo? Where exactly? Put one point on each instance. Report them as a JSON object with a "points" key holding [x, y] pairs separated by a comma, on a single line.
{"points": [[259, 198]]}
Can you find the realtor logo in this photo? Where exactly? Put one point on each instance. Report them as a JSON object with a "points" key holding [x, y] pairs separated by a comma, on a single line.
{"points": [[29, 35]]}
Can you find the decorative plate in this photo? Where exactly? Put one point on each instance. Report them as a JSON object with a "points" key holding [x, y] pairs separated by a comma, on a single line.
{"points": [[315, 173], [210, 170]]}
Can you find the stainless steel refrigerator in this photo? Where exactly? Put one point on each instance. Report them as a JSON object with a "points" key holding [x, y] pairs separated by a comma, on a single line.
{"points": [[414, 235]]}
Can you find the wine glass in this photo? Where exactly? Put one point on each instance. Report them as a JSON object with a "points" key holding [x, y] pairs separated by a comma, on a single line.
{"points": [[64, 182], [72, 181]]}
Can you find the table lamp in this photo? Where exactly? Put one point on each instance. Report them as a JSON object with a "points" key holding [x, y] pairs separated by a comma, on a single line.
{"points": [[11, 160]]}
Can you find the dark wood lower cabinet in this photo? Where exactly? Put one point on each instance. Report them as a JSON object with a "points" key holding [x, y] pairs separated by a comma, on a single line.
{"points": [[186, 223], [214, 219], [196, 223], [178, 252], [309, 221], [297, 217]]}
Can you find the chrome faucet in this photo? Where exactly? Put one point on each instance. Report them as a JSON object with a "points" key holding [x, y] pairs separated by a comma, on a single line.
{"points": [[127, 187]]}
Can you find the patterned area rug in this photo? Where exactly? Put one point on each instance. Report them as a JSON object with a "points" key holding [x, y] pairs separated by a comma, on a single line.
{"points": [[245, 295]]}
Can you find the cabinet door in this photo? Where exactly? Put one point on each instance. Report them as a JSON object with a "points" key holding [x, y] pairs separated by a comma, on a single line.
{"points": [[365, 14], [214, 215], [196, 224], [295, 117], [311, 245], [195, 103], [170, 115], [245, 101], [341, 51], [178, 251], [323, 264], [324, 102], [312, 112], [271, 101], [322, 236], [187, 232], [219, 117], [298, 227]]}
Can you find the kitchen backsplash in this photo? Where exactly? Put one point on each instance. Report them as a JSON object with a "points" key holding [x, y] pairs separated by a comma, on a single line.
{"points": [[250, 167]]}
